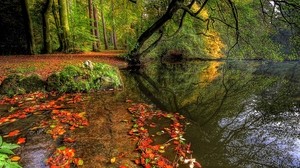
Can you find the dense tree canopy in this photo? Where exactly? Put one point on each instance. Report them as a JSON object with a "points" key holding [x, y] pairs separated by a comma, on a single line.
{"points": [[188, 28]]}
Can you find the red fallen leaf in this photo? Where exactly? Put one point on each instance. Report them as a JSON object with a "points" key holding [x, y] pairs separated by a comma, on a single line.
{"points": [[123, 166], [152, 125], [13, 120], [177, 124], [13, 133], [62, 98], [21, 140], [147, 166], [69, 140], [197, 164], [129, 101], [72, 128], [137, 161], [22, 116], [155, 147], [161, 163]]}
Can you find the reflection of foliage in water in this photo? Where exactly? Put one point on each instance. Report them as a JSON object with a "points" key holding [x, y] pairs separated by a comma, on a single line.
{"points": [[250, 140], [207, 101]]}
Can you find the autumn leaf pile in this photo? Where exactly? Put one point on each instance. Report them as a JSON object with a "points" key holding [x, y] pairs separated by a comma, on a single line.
{"points": [[63, 157], [159, 137], [23, 106]]}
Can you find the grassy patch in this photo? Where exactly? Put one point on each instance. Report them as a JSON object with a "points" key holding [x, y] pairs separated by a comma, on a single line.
{"points": [[84, 79]]}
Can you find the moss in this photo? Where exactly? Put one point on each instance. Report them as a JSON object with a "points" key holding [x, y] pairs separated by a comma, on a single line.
{"points": [[20, 84], [84, 79], [70, 79], [32, 83]]}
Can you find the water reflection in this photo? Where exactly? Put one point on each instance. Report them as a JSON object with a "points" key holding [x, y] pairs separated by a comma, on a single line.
{"points": [[243, 114]]}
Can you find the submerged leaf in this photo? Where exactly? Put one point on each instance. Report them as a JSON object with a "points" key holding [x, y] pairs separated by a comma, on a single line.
{"points": [[15, 158], [21, 140], [13, 133]]}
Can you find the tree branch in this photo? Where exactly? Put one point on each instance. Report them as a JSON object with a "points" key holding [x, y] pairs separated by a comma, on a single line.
{"points": [[133, 1], [154, 44]]}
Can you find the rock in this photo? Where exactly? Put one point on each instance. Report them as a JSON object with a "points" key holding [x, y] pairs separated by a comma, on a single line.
{"points": [[84, 79]]}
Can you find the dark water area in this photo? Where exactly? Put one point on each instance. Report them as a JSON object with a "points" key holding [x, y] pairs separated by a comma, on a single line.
{"points": [[240, 114]]}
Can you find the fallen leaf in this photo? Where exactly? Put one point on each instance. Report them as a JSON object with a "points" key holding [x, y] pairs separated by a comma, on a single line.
{"points": [[113, 160], [69, 140], [21, 140], [15, 158], [13, 133]]}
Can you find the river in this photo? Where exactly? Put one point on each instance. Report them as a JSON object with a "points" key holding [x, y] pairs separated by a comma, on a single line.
{"points": [[240, 113]]}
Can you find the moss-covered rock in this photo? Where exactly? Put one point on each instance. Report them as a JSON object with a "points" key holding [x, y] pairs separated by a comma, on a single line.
{"points": [[20, 84], [84, 78], [33, 83]]}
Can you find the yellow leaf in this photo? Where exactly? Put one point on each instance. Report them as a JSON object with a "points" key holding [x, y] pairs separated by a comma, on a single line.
{"points": [[113, 160], [80, 162], [15, 158]]}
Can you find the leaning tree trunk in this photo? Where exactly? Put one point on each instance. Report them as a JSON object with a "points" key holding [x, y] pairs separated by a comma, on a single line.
{"points": [[46, 27], [63, 13], [28, 27], [135, 54]]}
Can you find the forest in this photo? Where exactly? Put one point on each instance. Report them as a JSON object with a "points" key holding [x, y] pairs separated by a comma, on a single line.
{"points": [[149, 83], [248, 29]]}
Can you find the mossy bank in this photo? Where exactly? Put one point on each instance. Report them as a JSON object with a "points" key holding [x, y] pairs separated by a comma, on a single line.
{"points": [[86, 77]]}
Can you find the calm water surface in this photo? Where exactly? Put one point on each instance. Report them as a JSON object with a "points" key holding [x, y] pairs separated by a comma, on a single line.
{"points": [[241, 114]]}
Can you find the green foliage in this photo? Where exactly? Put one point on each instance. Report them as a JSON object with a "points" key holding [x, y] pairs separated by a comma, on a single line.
{"points": [[188, 40], [11, 85], [84, 79], [5, 152], [80, 33]]}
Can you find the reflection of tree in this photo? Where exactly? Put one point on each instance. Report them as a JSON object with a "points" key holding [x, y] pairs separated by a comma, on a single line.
{"points": [[235, 124], [250, 141], [278, 99], [169, 85]]}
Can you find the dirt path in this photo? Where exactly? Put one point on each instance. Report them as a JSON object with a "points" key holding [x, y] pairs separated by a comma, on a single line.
{"points": [[44, 65], [107, 136]]}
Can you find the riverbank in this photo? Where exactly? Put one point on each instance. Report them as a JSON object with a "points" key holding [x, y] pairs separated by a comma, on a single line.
{"points": [[45, 64]]}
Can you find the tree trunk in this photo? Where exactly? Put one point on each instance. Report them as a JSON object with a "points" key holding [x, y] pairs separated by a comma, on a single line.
{"points": [[96, 28], [134, 55], [90, 6], [63, 13], [114, 36], [57, 24], [28, 26], [46, 27], [104, 28]]}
